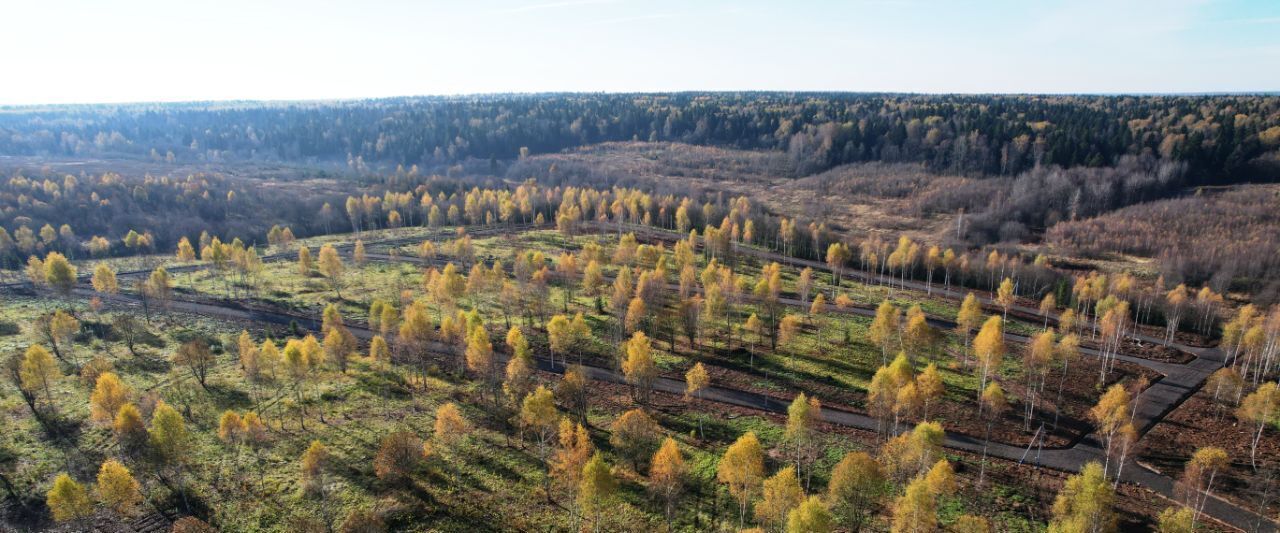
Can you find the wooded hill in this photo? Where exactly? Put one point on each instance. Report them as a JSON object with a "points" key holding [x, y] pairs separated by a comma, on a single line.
{"points": [[1222, 138]]}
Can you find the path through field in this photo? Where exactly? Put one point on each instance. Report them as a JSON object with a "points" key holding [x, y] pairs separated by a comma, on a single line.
{"points": [[1179, 381]]}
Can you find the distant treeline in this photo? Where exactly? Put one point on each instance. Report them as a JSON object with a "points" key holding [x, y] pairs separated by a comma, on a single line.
{"points": [[1219, 138]]}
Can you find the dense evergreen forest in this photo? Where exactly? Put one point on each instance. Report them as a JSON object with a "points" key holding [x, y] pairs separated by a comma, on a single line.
{"points": [[1220, 138]]}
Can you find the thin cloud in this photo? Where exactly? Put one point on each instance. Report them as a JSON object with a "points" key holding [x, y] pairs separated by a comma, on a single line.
{"points": [[555, 5], [1251, 21], [1108, 21], [636, 18], [891, 3]]}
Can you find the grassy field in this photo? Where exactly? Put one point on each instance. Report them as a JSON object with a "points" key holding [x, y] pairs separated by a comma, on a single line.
{"points": [[832, 357], [495, 480]]}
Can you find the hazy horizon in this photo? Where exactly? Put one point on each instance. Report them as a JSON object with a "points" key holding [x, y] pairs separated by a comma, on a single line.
{"points": [[144, 51], [284, 101]]}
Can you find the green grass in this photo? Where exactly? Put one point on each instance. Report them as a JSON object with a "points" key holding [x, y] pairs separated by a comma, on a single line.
{"points": [[819, 353], [487, 484]]}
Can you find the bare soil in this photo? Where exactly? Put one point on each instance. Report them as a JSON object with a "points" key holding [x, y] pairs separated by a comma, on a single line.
{"points": [[1035, 488], [956, 412], [1197, 423]]}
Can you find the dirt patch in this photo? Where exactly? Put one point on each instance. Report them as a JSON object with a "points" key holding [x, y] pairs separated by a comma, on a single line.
{"points": [[1008, 490], [1154, 352], [1130, 346], [957, 412], [1199, 422]]}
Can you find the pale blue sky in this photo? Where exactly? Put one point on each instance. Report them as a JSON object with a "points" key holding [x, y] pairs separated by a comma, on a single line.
{"points": [[57, 51]]}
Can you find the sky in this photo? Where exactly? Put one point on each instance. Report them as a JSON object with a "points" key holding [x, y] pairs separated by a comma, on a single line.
{"points": [[61, 51]]}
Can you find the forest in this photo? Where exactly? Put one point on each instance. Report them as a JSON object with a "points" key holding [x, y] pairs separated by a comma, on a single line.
{"points": [[1222, 139], [1014, 165], [775, 312]]}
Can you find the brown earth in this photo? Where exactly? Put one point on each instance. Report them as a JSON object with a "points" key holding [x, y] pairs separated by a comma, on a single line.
{"points": [[1199, 422]]}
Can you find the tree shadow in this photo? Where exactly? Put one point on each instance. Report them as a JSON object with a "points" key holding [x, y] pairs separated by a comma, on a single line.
{"points": [[61, 430], [224, 395], [144, 364]]}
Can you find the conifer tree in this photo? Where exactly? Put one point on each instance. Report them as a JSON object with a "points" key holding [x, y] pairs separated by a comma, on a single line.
{"points": [[339, 344], [186, 253], [635, 317], [231, 427], [358, 255], [519, 370], [560, 336], [249, 355], [379, 352], [479, 353], [573, 390], [592, 279], [788, 332]]}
